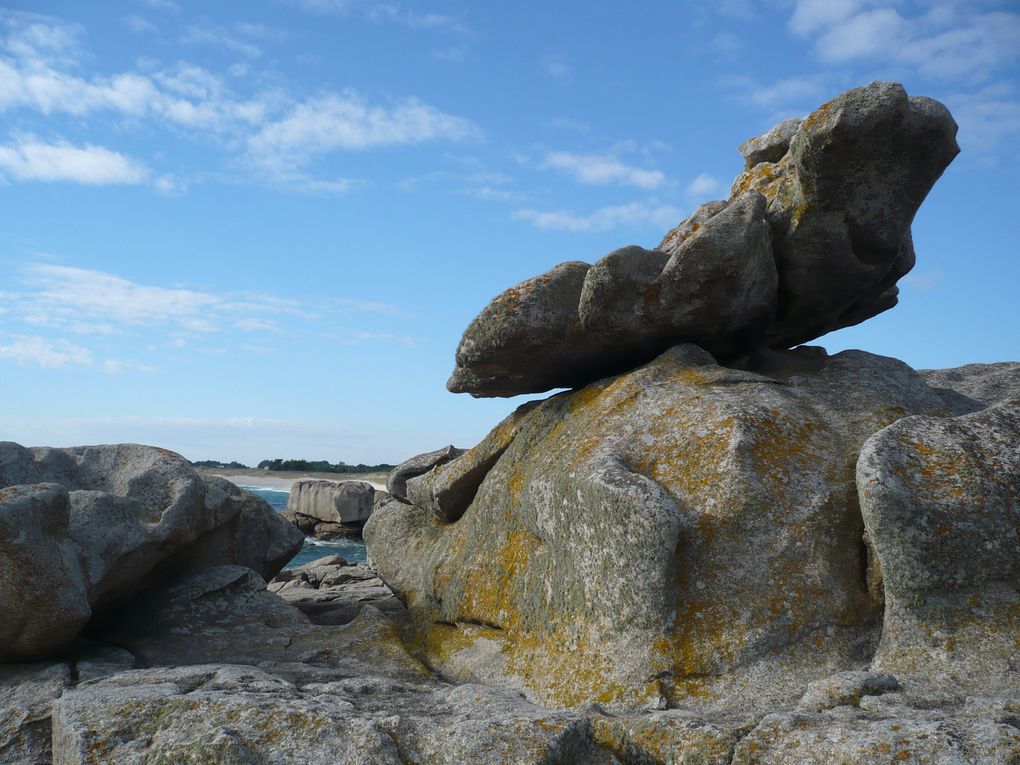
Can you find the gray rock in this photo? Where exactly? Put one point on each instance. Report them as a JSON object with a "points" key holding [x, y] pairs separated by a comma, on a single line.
{"points": [[527, 339], [770, 146], [841, 202], [972, 387], [941, 502], [44, 598], [670, 535], [396, 484], [813, 238], [27, 693], [257, 537], [345, 502], [85, 529]]}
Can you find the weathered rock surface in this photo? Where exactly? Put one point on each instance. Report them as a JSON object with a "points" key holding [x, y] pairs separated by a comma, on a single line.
{"points": [[344, 502], [814, 237], [396, 484], [85, 529], [941, 502], [972, 387], [669, 535]]}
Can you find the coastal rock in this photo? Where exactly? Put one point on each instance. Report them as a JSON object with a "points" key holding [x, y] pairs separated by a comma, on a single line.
{"points": [[941, 502], [672, 534], [85, 529], [345, 502], [972, 387], [257, 537], [814, 237], [396, 484], [27, 692]]}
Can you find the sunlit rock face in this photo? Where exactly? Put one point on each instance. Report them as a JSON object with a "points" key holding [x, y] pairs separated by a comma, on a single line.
{"points": [[677, 532], [814, 237]]}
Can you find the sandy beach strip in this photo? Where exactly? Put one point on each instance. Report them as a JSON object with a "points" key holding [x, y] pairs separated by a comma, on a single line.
{"points": [[276, 483]]}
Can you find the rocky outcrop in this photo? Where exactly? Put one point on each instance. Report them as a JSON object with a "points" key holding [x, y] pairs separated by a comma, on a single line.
{"points": [[85, 529], [659, 537], [814, 237], [941, 502], [345, 502], [396, 484]]}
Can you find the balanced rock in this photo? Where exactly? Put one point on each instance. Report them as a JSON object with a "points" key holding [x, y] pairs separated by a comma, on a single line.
{"points": [[673, 534], [343, 502], [85, 529], [814, 237]]}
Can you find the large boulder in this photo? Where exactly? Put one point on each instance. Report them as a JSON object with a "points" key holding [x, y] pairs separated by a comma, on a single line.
{"points": [[85, 529], [345, 502], [670, 535], [814, 237], [941, 502]]}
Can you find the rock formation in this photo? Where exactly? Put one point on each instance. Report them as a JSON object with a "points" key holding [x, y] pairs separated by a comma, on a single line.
{"points": [[83, 530], [714, 549], [328, 509], [814, 237]]}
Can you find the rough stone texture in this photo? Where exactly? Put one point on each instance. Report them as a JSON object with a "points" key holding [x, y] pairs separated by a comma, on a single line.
{"points": [[332, 591], [972, 387], [814, 237], [668, 535], [771, 146], [841, 202], [941, 502], [43, 593], [257, 537], [396, 484], [27, 692], [346, 502], [527, 339], [84, 529]]}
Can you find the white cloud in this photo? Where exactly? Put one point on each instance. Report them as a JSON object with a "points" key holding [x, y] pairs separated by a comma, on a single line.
{"points": [[557, 67], [218, 37], [32, 160], [646, 212], [137, 23], [988, 118], [347, 122], [601, 170], [39, 351], [945, 40], [161, 5], [702, 187], [383, 12]]}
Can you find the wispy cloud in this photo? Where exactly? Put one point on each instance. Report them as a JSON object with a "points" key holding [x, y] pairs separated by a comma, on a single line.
{"points": [[39, 351], [32, 160], [557, 66], [219, 37], [385, 12], [601, 170], [348, 122], [702, 187], [941, 40], [644, 212]]}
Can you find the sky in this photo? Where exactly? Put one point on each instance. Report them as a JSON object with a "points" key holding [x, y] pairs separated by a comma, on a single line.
{"points": [[253, 230]]}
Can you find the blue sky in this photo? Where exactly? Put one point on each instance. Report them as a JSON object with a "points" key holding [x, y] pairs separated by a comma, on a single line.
{"points": [[255, 230]]}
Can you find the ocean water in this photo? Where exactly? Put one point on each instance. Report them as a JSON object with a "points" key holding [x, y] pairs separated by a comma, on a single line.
{"points": [[351, 549]]}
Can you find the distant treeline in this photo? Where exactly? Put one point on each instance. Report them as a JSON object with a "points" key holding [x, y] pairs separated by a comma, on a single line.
{"points": [[215, 464], [321, 466]]}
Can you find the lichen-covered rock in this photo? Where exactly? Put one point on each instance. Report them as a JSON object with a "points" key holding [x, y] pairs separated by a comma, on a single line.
{"points": [[814, 237], [672, 534], [941, 502], [84, 529], [841, 201], [345, 502], [396, 483]]}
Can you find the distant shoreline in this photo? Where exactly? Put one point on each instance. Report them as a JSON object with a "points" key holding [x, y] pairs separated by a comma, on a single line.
{"points": [[283, 481]]}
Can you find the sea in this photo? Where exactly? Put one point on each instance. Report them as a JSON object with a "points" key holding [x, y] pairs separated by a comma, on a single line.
{"points": [[353, 550]]}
